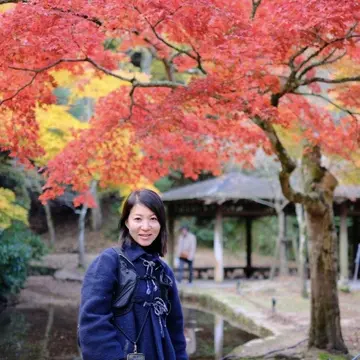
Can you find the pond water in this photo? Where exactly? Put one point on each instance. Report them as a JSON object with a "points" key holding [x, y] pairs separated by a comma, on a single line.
{"points": [[39, 334]]}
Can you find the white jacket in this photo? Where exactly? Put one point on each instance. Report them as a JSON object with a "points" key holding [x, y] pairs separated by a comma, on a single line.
{"points": [[187, 244]]}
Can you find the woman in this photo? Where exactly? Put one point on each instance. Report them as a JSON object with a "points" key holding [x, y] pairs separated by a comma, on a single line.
{"points": [[123, 315]]}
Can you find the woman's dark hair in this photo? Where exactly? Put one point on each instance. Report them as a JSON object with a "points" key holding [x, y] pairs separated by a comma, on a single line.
{"points": [[151, 200]]}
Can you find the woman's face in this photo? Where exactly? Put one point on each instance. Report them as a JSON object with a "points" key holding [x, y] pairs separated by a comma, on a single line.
{"points": [[143, 225]]}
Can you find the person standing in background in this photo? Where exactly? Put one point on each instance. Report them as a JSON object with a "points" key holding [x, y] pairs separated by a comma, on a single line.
{"points": [[186, 251]]}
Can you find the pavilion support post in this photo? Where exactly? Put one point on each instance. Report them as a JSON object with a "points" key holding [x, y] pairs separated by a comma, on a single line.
{"points": [[355, 242], [249, 268], [218, 246], [344, 246], [171, 231]]}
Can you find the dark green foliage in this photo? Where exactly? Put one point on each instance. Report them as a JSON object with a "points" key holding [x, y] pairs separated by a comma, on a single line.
{"points": [[18, 246], [265, 232], [111, 44]]}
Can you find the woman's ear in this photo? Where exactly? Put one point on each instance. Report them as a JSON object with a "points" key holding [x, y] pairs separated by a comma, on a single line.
{"points": [[126, 223]]}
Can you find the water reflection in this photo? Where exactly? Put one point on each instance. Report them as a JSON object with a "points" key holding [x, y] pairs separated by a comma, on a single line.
{"points": [[218, 337], [50, 333], [209, 336]]}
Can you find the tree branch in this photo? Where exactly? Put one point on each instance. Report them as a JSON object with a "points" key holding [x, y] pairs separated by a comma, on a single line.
{"points": [[293, 57], [47, 67], [347, 36], [255, 5], [322, 62], [330, 81], [20, 89], [351, 113], [133, 81], [94, 20], [197, 58], [287, 164], [3, 2]]}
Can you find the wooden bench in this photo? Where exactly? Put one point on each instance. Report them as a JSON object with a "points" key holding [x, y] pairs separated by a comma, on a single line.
{"points": [[233, 272]]}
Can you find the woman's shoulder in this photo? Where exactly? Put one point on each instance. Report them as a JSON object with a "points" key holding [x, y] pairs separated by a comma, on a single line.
{"points": [[107, 258], [108, 253]]}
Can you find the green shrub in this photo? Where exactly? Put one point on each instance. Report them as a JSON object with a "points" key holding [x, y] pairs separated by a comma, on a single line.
{"points": [[18, 246]]}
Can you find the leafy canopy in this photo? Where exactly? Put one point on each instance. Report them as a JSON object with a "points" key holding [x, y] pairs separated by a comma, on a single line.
{"points": [[250, 66]]}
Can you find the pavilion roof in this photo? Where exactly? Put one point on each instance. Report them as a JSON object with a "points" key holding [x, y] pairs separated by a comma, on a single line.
{"points": [[236, 185]]}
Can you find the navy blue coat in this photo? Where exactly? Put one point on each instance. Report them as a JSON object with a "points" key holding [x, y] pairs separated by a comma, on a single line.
{"points": [[162, 337]]}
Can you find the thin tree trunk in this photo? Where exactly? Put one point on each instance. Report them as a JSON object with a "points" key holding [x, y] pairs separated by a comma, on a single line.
{"points": [[276, 257], [280, 247], [96, 213], [49, 220], [295, 247], [302, 249], [81, 239], [44, 350], [284, 268], [50, 224]]}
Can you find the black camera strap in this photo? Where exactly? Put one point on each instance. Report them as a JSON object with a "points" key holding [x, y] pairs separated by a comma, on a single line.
{"points": [[139, 334]]}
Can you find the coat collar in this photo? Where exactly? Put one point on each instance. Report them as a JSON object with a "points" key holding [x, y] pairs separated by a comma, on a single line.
{"points": [[134, 251]]}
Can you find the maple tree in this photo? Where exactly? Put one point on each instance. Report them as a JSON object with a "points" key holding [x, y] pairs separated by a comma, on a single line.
{"points": [[236, 72]]}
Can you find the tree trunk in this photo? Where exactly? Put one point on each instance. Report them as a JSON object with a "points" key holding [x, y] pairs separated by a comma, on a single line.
{"points": [[280, 247], [276, 257], [284, 268], [50, 224], [318, 200], [44, 352], [325, 330], [96, 213], [81, 239], [302, 249], [49, 221], [320, 184]]}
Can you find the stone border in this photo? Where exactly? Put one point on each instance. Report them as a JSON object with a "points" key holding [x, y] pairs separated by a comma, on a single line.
{"points": [[229, 313]]}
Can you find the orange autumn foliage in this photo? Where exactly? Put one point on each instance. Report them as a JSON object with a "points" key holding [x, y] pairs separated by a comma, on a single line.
{"points": [[248, 60]]}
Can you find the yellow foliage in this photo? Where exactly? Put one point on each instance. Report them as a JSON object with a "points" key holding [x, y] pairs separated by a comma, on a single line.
{"points": [[6, 7], [125, 190], [10, 211], [56, 123], [291, 139], [56, 126], [92, 85], [345, 68]]}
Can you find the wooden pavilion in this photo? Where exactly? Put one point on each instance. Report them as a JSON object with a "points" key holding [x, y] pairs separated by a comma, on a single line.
{"points": [[238, 195]]}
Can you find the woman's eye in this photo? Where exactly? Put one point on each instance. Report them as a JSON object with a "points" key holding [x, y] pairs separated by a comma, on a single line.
{"points": [[154, 219]]}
